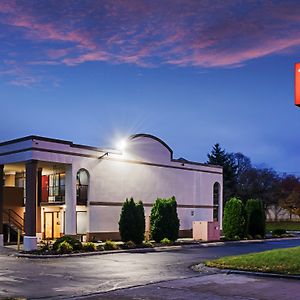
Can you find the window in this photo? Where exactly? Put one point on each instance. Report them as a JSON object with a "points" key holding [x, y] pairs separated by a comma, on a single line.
{"points": [[20, 181], [81, 217], [216, 201], [56, 187], [82, 186]]}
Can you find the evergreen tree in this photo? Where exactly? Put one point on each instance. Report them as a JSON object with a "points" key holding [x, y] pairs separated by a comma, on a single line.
{"points": [[220, 157], [255, 218], [132, 222], [164, 220], [140, 222], [234, 219]]}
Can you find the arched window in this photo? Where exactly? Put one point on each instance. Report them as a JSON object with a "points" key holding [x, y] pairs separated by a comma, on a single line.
{"points": [[82, 186], [216, 200]]}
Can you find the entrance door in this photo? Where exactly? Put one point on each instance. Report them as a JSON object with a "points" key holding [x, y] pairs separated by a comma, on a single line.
{"points": [[52, 225]]}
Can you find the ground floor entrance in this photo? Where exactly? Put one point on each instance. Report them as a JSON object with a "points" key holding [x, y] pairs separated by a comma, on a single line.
{"points": [[53, 221], [52, 225]]}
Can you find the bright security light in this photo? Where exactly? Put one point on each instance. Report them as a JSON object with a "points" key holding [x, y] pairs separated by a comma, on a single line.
{"points": [[121, 145]]}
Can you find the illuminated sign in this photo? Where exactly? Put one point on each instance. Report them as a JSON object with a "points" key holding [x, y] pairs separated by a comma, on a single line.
{"points": [[297, 84]]}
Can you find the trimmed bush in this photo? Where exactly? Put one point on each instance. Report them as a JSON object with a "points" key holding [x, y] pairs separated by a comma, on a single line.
{"points": [[147, 244], [132, 222], [129, 245], [76, 245], [100, 248], [258, 237], [45, 246], [255, 218], [164, 220], [109, 245], [89, 247], [278, 232], [140, 223], [234, 219], [64, 247], [166, 241]]}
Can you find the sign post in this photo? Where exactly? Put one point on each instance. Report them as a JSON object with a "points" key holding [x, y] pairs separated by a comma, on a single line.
{"points": [[19, 239], [297, 84]]}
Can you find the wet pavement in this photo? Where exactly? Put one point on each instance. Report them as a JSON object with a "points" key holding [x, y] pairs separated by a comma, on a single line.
{"points": [[211, 287], [83, 276]]}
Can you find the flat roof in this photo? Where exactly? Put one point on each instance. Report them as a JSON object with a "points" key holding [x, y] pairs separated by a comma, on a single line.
{"points": [[98, 149]]}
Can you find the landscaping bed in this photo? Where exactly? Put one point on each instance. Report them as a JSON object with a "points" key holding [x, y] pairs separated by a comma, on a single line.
{"points": [[68, 245], [280, 261]]}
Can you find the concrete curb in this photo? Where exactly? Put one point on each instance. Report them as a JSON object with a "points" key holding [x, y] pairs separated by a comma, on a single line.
{"points": [[203, 269], [148, 250], [262, 274], [221, 243]]}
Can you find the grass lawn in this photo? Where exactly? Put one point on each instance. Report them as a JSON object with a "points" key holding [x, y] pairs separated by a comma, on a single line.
{"points": [[288, 225], [283, 261]]}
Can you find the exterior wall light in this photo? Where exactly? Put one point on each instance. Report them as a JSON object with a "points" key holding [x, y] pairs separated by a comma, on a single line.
{"points": [[121, 145], [105, 154]]}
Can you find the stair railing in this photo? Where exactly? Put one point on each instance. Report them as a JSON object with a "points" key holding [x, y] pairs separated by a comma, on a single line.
{"points": [[14, 219]]}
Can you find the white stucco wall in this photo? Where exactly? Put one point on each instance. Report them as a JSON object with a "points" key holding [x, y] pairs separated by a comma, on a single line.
{"points": [[144, 171], [114, 181]]}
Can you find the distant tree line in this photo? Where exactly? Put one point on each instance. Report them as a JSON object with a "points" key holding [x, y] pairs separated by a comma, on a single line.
{"points": [[243, 180]]}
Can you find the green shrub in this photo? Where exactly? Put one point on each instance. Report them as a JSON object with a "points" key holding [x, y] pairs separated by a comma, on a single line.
{"points": [[64, 247], [89, 247], [278, 232], [132, 221], [109, 245], [147, 244], [255, 218], [287, 235], [140, 223], [129, 245], [100, 248], [258, 237], [164, 220], [234, 219], [45, 246], [76, 245], [166, 241]]}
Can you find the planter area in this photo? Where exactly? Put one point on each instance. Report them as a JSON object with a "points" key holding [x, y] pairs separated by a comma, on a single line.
{"points": [[67, 245]]}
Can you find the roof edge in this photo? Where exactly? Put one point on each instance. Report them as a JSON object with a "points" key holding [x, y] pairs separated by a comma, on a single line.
{"points": [[53, 140], [154, 138]]}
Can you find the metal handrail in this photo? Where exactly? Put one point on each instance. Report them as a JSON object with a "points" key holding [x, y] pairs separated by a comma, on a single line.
{"points": [[12, 219]]}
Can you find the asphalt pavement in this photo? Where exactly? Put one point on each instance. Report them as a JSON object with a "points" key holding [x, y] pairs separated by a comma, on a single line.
{"points": [[135, 275]]}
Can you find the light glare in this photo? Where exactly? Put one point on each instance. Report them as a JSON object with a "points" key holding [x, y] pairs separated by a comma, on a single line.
{"points": [[121, 145]]}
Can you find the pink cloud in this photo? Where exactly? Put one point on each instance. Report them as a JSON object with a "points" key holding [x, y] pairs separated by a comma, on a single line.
{"points": [[151, 33], [57, 53], [92, 56]]}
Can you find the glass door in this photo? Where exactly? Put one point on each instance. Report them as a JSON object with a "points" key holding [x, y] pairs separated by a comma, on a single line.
{"points": [[52, 225], [48, 225]]}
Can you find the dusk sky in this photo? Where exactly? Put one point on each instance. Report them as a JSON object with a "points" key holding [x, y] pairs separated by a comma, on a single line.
{"points": [[190, 72]]}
